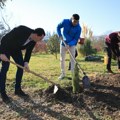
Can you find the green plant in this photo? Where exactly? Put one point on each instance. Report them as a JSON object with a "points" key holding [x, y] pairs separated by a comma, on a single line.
{"points": [[86, 49], [76, 79], [53, 45]]}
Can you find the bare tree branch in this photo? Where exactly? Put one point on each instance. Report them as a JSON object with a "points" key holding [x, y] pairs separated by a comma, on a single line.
{"points": [[2, 3]]}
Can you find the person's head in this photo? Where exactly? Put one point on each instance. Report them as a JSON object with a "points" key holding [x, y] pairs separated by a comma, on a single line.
{"points": [[75, 19], [38, 34]]}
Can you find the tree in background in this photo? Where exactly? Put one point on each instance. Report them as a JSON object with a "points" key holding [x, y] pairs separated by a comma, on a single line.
{"points": [[40, 47], [99, 43], [53, 45], [2, 3], [2, 29], [86, 32], [86, 49], [4, 26]]}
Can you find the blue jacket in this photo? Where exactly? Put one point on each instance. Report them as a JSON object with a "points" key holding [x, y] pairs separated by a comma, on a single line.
{"points": [[71, 33]]}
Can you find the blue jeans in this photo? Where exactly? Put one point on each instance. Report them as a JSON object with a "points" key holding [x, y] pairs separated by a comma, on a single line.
{"points": [[18, 58]]}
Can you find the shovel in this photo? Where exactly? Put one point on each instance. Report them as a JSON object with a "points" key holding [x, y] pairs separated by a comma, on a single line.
{"points": [[85, 79], [36, 74]]}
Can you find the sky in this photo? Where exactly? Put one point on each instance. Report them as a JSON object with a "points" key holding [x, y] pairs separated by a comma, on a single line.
{"points": [[102, 16]]}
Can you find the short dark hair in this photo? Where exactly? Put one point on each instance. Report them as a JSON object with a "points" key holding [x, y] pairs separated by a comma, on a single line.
{"points": [[39, 31], [76, 16]]}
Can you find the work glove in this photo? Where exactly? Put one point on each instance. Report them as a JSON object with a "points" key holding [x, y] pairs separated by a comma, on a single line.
{"points": [[3, 57]]}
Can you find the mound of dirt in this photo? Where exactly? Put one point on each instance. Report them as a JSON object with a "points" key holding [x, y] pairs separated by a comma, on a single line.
{"points": [[63, 94]]}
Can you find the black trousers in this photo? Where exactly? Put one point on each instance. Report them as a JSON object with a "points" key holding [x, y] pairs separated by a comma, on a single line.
{"points": [[18, 58], [110, 54]]}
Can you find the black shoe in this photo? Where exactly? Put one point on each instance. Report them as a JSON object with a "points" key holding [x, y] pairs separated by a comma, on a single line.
{"points": [[20, 93], [69, 78], [4, 97], [110, 71], [69, 68]]}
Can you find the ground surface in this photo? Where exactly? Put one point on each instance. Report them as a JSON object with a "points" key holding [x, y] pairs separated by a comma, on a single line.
{"points": [[102, 102]]}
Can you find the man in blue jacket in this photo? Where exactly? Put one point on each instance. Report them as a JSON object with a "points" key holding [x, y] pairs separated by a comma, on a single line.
{"points": [[71, 34]]}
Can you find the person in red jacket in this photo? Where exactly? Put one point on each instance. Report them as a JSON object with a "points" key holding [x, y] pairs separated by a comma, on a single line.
{"points": [[113, 47]]}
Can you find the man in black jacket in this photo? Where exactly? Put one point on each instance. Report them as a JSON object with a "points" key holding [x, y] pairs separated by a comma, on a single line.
{"points": [[12, 43], [113, 47]]}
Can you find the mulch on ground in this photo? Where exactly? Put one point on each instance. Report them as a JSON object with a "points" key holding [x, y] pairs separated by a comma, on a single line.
{"points": [[101, 102]]}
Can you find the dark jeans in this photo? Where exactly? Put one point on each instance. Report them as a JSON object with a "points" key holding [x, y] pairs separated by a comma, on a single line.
{"points": [[76, 54], [109, 53], [18, 58]]}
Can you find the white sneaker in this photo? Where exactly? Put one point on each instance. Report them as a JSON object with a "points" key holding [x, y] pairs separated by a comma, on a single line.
{"points": [[61, 76]]}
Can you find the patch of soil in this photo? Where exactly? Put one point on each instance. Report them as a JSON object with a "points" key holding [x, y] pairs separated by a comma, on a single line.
{"points": [[101, 102], [63, 94]]}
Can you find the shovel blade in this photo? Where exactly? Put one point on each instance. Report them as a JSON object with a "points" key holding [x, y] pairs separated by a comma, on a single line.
{"points": [[55, 89], [86, 82]]}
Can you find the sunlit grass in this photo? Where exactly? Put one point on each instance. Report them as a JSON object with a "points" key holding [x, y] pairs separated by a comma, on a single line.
{"points": [[48, 66]]}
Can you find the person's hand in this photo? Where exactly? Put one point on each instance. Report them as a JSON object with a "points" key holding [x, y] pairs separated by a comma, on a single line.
{"points": [[26, 66], [3, 57]]}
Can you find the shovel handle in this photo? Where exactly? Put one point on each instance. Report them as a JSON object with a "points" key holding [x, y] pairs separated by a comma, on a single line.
{"points": [[16, 64], [32, 72]]}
